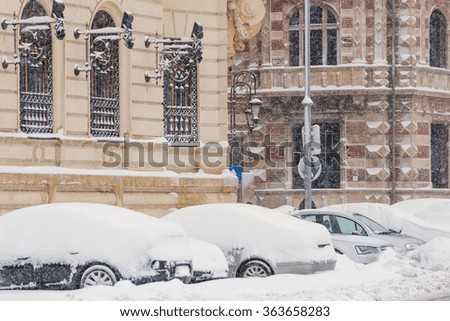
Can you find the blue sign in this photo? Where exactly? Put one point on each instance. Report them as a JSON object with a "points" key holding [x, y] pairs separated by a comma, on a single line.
{"points": [[237, 170]]}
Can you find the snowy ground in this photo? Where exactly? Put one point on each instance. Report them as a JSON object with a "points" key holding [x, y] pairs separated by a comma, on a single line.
{"points": [[423, 274]]}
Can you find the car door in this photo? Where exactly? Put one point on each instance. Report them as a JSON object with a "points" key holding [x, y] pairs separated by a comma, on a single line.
{"points": [[54, 274], [17, 274]]}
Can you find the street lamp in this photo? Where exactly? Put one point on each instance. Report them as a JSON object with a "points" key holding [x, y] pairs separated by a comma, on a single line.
{"points": [[243, 88]]}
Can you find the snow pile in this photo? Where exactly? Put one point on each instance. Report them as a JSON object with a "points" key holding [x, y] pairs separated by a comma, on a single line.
{"points": [[433, 255], [77, 233], [255, 231]]}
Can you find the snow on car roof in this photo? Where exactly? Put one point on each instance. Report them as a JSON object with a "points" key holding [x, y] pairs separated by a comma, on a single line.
{"points": [[81, 232], [383, 214]]}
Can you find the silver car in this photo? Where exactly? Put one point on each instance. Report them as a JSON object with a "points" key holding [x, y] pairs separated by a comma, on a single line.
{"points": [[355, 224], [357, 236]]}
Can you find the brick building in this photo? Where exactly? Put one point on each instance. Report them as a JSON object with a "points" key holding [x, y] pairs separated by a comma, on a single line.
{"points": [[381, 92]]}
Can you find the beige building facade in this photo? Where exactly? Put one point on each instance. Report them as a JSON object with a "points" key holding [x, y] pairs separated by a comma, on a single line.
{"points": [[107, 135], [381, 92]]}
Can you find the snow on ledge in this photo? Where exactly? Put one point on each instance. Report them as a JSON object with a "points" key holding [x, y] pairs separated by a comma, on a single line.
{"points": [[228, 178]]}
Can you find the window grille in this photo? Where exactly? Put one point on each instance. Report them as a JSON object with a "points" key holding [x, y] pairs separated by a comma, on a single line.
{"points": [[36, 75], [104, 80], [177, 64]]}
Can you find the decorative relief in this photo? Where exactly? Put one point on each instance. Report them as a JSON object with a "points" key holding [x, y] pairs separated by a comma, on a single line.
{"points": [[407, 78], [407, 21], [408, 41], [408, 127], [375, 128], [408, 150], [244, 22], [378, 198], [381, 105], [407, 3], [377, 151], [377, 174], [381, 78], [407, 60], [408, 174]]}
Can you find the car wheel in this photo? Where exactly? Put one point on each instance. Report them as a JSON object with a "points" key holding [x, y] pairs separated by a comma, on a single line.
{"points": [[254, 269], [97, 275]]}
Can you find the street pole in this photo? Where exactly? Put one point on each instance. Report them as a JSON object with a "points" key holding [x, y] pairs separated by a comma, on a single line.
{"points": [[307, 105]]}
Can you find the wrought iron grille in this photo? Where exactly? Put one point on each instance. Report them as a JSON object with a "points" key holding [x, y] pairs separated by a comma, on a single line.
{"points": [[36, 74], [104, 81], [180, 101], [177, 64]]}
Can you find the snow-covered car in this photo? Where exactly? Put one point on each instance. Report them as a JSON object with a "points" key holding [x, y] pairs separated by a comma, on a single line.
{"points": [[425, 218], [73, 245], [258, 241], [422, 218], [357, 236]]}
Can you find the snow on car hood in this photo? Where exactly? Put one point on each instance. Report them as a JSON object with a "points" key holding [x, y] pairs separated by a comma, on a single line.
{"points": [[255, 231], [77, 233]]}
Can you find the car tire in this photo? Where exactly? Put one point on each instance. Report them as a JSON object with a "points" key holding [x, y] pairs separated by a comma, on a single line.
{"points": [[98, 275], [254, 268]]}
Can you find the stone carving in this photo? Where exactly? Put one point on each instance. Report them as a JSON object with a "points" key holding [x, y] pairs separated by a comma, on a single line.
{"points": [[408, 150], [408, 127], [378, 198], [377, 174], [375, 128], [377, 151], [244, 22], [409, 174]]}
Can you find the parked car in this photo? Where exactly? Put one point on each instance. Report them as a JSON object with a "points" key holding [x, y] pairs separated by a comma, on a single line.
{"points": [[74, 245], [425, 218], [257, 241], [348, 228]]}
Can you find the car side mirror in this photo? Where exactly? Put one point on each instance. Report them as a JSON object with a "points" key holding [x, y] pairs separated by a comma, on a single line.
{"points": [[356, 233]]}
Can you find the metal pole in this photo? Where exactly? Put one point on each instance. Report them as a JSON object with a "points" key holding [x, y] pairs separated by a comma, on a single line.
{"points": [[307, 105]]}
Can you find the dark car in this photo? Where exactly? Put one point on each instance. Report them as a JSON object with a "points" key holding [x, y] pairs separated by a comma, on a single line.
{"points": [[73, 245]]}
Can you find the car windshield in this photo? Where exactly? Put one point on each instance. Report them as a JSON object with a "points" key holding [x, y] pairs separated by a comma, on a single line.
{"points": [[374, 226]]}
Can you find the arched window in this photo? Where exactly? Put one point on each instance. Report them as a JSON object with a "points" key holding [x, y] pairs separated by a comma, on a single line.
{"points": [[438, 40], [104, 83], [323, 37], [36, 84]]}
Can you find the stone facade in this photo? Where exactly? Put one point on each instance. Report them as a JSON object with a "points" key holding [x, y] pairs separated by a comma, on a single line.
{"points": [[382, 93], [68, 164]]}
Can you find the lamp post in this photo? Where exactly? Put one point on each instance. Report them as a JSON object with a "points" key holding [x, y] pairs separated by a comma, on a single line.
{"points": [[243, 89], [307, 105], [242, 92]]}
